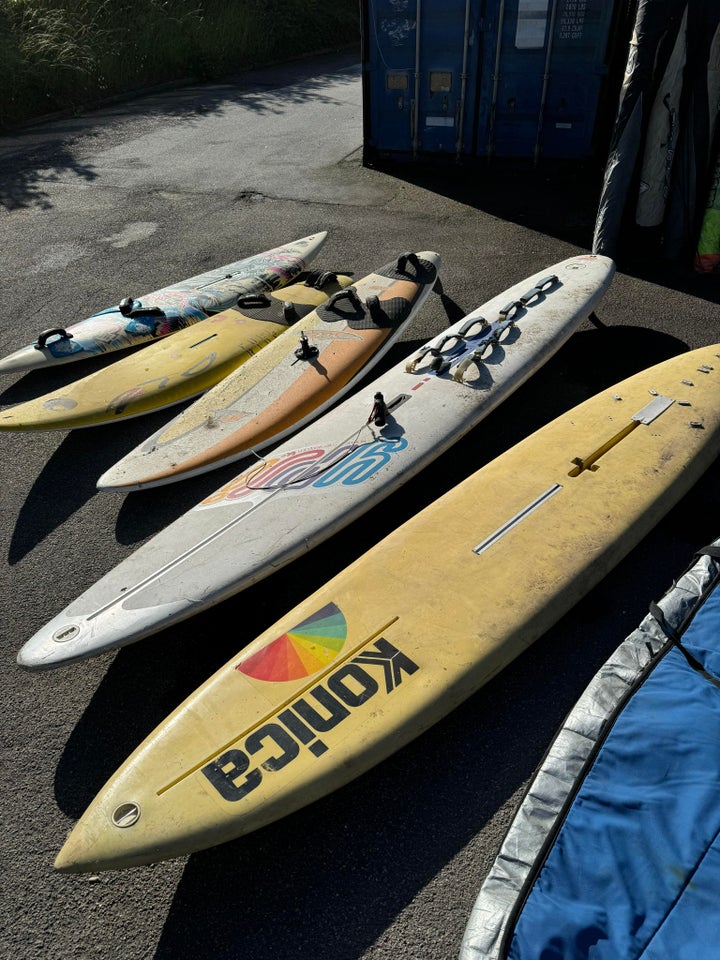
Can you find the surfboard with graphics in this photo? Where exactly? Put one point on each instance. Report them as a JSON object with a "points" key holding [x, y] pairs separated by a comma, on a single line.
{"points": [[332, 472], [175, 368], [289, 383], [136, 320], [414, 626]]}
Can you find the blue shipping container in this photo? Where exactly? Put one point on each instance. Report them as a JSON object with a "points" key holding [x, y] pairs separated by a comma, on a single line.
{"points": [[473, 78]]}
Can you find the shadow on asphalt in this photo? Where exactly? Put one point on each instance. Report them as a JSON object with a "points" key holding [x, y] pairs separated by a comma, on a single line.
{"points": [[68, 479], [30, 166], [557, 198]]}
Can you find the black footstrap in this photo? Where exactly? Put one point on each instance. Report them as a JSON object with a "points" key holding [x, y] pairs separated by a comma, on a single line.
{"points": [[46, 334]]}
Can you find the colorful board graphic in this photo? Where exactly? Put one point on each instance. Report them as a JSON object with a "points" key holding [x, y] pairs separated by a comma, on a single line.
{"points": [[307, 648]]}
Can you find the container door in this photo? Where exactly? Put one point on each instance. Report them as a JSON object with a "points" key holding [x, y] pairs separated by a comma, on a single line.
{"points": [[420, 74], [506, 78], [449, 61], [577, 69], [544, 86], [388, 76], [519, 34]]}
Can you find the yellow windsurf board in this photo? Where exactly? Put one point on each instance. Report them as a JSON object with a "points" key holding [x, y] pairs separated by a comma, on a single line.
{"points": [[414, 626]]}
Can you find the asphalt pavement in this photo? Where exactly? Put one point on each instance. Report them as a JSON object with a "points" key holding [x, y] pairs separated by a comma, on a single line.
{"points": [[126, 199]]}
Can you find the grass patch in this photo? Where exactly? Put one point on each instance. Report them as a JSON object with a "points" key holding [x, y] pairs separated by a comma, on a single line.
{"points": [[68, 54]]}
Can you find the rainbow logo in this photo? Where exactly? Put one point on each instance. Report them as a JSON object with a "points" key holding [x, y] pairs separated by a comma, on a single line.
{"points": [[302, 651]]}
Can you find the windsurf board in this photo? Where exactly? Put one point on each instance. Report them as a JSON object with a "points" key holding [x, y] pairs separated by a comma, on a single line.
{"points": [[175, 368], [662, 135], [414, 626], [290, 383], [331, 473], [137, 320]]}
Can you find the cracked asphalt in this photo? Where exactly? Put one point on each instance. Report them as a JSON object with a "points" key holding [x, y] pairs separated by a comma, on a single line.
{"points": [[137, 194]]}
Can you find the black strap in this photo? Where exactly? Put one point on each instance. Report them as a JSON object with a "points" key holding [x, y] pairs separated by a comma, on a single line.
{"points": [[469, 324], [511, 308], [712, 550], [46, 334], [253, 300], [404, 259], [659, 616], [349, 293], [540, 287]]}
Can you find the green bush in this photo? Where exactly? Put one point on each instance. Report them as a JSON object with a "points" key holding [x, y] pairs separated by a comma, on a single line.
{"points": [[66, 54]]}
